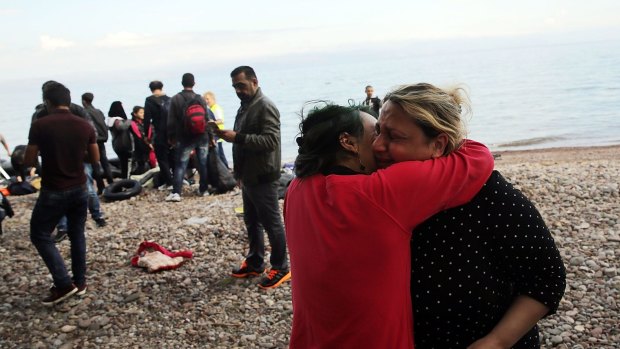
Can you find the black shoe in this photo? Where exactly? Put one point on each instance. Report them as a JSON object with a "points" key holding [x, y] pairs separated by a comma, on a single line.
{"points": [[61, 234], [100, 222], [58, 295], [274, 278], [245, 270], [81, 290]]}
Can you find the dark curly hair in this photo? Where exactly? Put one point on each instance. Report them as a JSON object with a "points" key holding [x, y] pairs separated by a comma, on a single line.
{"points": [[319, 133]]}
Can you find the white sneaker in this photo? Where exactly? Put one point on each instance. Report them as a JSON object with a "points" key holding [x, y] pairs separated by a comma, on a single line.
{"points": [[173, 197], [164, 187]]}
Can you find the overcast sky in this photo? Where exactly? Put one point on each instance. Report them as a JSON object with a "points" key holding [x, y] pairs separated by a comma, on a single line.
{"points": [[64, 36]]}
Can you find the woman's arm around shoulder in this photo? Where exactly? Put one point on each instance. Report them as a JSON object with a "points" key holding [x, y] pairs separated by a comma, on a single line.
{"points": [[412, 191]]}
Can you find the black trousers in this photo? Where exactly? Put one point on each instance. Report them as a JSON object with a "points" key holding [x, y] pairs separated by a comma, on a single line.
{"points": [[165, 157], [261, 212], [105, 165]]}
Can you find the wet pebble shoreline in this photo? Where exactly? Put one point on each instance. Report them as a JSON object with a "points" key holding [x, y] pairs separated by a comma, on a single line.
{"points": [[201, 306]]}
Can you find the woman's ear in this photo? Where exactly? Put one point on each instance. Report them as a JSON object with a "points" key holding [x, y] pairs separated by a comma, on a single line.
{"points": [[439, 145], [348, 143]]}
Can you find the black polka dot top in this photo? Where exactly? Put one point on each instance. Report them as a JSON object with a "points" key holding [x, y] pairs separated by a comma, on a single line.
{"points": [[470, 262]]}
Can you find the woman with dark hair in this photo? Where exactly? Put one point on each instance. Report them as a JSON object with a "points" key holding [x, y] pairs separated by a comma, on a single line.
{"points": [[122, 140], [142, 137], [348, 232], [483, 273]]}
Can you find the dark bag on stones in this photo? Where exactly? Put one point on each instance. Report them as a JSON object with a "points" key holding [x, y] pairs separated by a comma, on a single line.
{"points": [[219, 175]]}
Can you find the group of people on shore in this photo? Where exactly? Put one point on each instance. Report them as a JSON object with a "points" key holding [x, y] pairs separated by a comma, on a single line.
{"points": [[149, 138], [395, 223], [62, 133]]}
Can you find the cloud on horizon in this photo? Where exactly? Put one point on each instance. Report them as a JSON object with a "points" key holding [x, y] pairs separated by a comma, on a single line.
{"points": [[49, 43]]}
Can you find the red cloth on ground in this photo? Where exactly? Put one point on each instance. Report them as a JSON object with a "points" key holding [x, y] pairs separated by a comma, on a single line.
{"points": [[150, 246]]}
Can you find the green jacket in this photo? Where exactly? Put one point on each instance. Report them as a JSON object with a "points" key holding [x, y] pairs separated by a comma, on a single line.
{"points": [[256, 148]]}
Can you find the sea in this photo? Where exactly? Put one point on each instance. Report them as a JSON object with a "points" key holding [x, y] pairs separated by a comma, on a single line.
{"points": [[525, 94]]}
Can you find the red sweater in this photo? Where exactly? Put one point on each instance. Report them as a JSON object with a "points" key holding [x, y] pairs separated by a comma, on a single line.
{"points": [[348, 237]]}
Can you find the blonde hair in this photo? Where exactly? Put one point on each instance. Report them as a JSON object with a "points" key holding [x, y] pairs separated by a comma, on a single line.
{"points": [[435, 110], [208, 93]]}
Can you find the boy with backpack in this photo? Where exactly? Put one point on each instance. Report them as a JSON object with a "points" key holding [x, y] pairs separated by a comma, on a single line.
{"points": [[187, 130]]}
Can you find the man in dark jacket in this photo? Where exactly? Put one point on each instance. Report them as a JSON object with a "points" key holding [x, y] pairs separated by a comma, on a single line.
{"points": [[256, 157], [373, 102], [156, 108], [185, 140], [98, 119]]}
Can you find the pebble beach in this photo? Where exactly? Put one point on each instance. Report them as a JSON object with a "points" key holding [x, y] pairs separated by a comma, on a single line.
{"points": [[200, 305]]}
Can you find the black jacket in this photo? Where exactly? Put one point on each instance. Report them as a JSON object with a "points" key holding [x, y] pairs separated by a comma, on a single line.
{"points": [[374, 103], [98, 119], [41, 111], [257, 145], [156, 114]]}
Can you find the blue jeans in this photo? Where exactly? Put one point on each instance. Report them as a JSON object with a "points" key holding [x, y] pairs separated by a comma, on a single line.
{"points": [[47, 212], [183, 151], [94, 206]]}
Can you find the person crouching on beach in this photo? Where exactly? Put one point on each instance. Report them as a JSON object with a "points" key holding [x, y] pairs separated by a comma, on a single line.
{"points": [[485, 272], [348, 230], [62, 140]]}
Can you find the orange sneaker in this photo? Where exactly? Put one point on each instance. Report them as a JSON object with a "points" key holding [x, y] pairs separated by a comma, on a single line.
{"points": [[245, 270], [274, 278]]}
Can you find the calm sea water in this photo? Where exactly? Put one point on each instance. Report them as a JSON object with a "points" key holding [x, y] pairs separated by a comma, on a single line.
{"points": [[523, 96]]}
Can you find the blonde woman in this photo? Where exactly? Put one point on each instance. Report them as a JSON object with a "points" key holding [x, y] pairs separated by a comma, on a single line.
{"points": [[218, 112], [483, 273]]}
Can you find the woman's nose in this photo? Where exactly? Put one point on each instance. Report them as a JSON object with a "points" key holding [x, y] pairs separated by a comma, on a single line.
{"points": [[378, 145]]}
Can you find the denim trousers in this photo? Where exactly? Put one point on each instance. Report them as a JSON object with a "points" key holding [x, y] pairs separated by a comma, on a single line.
{"points": [[49, 208], [261, 212], [94, 206], [183, 150]]}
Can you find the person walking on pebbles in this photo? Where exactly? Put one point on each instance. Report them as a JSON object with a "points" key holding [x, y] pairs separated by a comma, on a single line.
{"points": [[62, 139], [256, 161], [185, 138]]}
